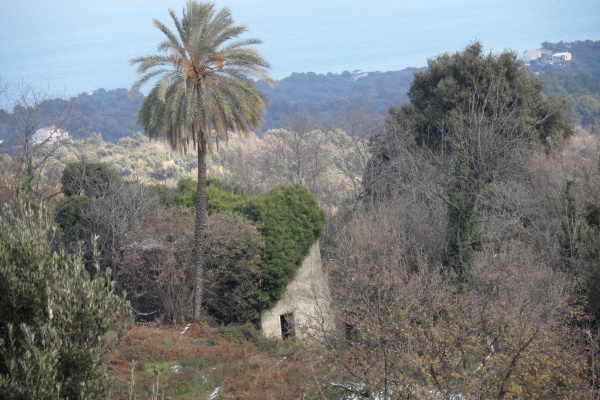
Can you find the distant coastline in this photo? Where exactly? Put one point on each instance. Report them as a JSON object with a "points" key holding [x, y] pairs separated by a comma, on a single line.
{"points": [[83, 52]]}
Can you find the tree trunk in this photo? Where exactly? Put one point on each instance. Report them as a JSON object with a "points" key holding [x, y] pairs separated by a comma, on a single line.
{"points": [[200, 236]]}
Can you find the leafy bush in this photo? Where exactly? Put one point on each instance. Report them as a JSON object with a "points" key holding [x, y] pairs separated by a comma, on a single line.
{"points": [[232, 268], [56, 323], [256, 244], [290, 221], [76, 229], [462, 82], [91, 179], [157, 267], [221, 198], [183, 195]]}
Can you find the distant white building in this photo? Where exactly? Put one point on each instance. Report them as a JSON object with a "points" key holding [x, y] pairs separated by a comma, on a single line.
{"points": [[565, 56], [49, 134]]}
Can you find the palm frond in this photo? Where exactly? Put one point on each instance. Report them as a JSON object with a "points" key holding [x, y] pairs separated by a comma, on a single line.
{"points": [[204, 76], [172, 41]]}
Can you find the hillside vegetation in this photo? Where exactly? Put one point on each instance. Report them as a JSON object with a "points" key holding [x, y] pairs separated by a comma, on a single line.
{"points": [[460, 232], [328, 98]]}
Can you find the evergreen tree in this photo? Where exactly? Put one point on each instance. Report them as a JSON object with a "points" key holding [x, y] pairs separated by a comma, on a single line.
{"points": [[475, 117], [502, 84], [56, 323]]}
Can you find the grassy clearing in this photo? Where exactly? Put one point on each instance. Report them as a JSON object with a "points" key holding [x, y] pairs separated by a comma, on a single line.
{"points": [[164, 363]]}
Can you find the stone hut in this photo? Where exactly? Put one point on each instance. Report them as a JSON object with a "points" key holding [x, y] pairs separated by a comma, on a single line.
{"points": [[304, 310]]}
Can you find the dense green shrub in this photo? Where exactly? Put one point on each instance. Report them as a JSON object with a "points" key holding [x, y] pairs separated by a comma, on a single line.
{"points": [[247, 269], [465, 81], [232, 267], [290, 221], [221, 198], [184, 195], [76, 229], [89, 179], [56, 323]]}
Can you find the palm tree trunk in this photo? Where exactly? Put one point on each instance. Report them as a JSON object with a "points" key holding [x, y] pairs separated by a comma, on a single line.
{"points": [[200, 235]]}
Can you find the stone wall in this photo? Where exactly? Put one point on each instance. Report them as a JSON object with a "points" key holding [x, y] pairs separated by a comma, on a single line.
{"points": [[304, 310]]}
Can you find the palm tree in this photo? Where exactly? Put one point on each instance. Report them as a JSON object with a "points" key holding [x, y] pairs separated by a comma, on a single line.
{"points": [[204, 88]]}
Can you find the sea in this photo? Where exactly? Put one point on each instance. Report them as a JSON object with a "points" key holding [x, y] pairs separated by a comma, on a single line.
{"points": [[69, 47]]}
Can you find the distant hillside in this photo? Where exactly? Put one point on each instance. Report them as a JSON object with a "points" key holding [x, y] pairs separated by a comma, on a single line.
{"points": [[578, 80], [326, 98], [586, 58], [322, 96], [113, 114], [109, 112]]}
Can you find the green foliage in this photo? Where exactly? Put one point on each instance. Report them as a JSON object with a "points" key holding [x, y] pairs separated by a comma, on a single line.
{"points": [[464, 80], [56, 323], [223, 199], [83, 185], [105, 207], [290, 221], [246, 269], [76, 229], [219, 197], [232, 266], [463, 237], [583, 92], [89, 179], [184, 195]]}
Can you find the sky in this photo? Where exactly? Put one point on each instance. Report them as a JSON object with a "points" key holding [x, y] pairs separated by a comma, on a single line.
{"points": [[72, 46]]}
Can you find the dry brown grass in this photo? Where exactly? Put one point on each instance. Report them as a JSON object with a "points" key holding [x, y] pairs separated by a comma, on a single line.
{"points": [[243, 369]]}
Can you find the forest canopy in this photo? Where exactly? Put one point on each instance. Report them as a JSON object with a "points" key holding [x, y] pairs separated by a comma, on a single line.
{"points": [[459, 232]]}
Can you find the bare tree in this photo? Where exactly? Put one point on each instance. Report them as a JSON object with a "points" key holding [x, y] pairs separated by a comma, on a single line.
{"points": [[3, 89], [99, 203], [405, 331], [297, 157], [241, 164], [381, 286], [123, 208], [233, 281], [330, 163], [31, 108], [483, 145], [155, 271], [397, 164], [357, 123], [155, 266]]}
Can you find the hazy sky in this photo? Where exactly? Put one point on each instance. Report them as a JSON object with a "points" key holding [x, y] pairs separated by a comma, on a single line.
{"points": [[75, 46]]}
